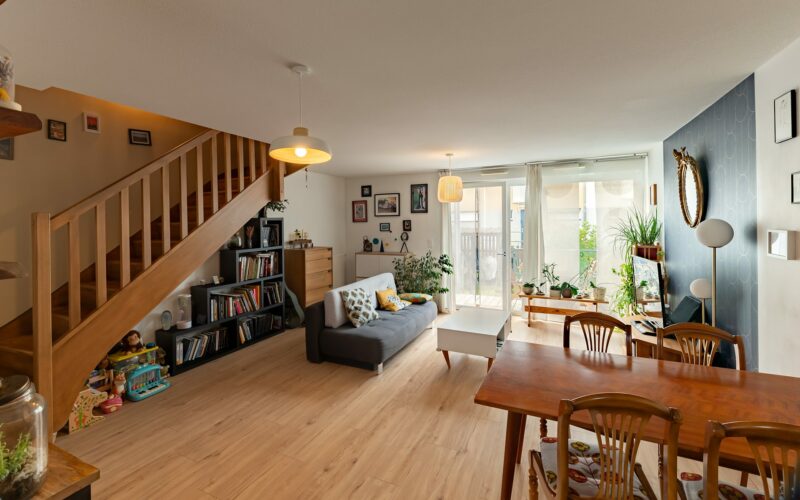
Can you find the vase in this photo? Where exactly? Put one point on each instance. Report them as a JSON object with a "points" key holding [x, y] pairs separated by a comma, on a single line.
{"points": [[527, 290], [566, 293], [599, 293], [555, 293]]}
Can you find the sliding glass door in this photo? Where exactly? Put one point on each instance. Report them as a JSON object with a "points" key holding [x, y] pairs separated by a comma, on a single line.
{"points": [[482, 246]]}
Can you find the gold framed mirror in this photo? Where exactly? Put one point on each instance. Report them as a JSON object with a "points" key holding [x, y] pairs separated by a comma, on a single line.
{"points": [[690, 188]]}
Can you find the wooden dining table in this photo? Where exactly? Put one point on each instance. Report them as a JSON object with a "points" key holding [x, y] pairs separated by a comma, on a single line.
{"points": [[531, 379]]}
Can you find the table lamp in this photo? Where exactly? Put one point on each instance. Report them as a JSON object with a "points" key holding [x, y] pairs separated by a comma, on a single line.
{"points": [[714, 233], [701, 289]]}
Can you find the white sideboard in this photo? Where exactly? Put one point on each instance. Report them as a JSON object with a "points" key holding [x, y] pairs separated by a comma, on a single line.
{"points": [[372, 263]]}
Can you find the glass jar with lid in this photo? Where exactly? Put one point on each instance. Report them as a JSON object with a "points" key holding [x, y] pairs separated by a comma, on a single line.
{"points": [[23, 438], [7, 80]]}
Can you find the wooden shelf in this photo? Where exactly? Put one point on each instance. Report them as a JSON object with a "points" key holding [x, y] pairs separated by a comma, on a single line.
{"points": [[14, 123]]}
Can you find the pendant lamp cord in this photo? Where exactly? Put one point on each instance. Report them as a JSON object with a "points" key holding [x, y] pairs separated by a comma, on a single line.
{"points": [[300, 95]]}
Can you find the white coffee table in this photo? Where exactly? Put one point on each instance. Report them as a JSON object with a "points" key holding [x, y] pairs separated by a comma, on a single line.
{"points": [[476, 331]]}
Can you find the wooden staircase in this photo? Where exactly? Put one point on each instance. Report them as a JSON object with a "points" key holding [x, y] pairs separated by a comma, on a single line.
{"points": [[222, 181]]}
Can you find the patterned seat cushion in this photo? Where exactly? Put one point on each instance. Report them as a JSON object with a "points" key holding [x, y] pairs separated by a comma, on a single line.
{"points": [[359, 307], [693, 487], [416, 298], [584, 468]]}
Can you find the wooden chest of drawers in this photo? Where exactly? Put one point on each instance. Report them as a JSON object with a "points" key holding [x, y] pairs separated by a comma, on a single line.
{"points": [[309, 273]]}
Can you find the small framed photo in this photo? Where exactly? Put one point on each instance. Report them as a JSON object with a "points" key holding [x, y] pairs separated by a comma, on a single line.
{"points": [[56, 130], [385, 227], [796, 187], [781, 244], [785, 122], [419, 198], [91, 122], [366, 191], [7, 149], [360, 211], [406, 225], [139, 137], [387, 204]]}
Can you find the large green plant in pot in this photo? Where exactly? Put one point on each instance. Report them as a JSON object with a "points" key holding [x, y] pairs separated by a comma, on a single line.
{"points": [[422, 274], [635, 228]]}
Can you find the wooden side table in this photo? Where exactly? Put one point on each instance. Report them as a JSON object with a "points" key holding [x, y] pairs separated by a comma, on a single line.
{"points": [[68, 477], [531, 308]]}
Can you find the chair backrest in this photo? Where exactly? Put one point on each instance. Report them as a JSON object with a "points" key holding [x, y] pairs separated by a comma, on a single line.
{"points": [[699, 343], [597, 330], [618, 421], [776, 450]]}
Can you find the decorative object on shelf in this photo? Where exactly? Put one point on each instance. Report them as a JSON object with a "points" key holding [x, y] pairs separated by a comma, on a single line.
{"points": [[300, 148], [366, 191], [216, 280], [598, 292], [406, 225], [385, 227], [796, 187], [184, 311], [690, 188], [404, 239], [300, 239], [701, 288], [7, 89], [139, 137], [91, 122], [7, 149], [367, 244], [249, 232], [166, 320], [714, 233], [781, 244], [785, 108], [235, 242], [360, 211], [81, 416], [56, 130], [419, 199], [387, 204], [23, 437], [451, 187]]}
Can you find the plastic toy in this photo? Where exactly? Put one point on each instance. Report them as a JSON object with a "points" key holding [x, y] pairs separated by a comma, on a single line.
{"points": [[144, 382]]}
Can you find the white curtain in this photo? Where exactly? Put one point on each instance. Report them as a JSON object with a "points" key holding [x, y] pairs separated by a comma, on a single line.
{"points": [[450, 238], [533, 242]]}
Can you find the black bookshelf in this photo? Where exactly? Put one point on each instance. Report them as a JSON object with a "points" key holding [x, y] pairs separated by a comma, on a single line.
{"points": [[263, 320]]}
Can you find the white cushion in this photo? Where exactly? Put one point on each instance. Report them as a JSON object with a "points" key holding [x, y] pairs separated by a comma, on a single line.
{"points": [[335, 313]]}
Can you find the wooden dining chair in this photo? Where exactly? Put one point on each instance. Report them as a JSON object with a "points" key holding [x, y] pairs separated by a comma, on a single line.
{"points": [[700, 343], [606, 468], [776, 451]]}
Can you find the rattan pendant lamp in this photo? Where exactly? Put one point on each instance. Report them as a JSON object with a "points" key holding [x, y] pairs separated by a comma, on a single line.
{"points": [[451, 188]]}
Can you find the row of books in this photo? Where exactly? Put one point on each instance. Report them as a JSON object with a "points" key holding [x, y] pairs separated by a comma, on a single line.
{"points": [[203, 344], [273, 293], [234, 302], [261, 265], [257, 326]]}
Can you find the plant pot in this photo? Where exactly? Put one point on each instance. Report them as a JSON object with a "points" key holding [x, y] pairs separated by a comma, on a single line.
{"points": [[566, 293], [555, 293], [599, 293], [639, 293], [527, 290]]}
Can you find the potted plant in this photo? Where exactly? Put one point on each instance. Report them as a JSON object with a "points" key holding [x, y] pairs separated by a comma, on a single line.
{"points": [[640, 290], [567, 290], [552, 279], [598, 292], [423, 274], [527, 288], [633, 232]]}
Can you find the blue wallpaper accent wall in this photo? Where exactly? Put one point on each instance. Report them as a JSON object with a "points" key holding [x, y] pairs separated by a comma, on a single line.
{"points": [[723, 141]]}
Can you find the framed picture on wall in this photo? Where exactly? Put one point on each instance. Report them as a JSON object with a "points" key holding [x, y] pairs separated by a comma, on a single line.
{"points": [[7, 149], [139, 137], [419, 198], [406, 225], [360, 211], [387, 204], [785, 123], [91, 122], [56, 130], [385, 227], [366, 191]]}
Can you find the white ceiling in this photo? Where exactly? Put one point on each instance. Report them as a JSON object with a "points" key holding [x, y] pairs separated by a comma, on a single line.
{"points": [[397, 84]]}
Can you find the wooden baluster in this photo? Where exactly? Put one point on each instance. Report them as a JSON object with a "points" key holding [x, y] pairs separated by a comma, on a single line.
{"points": [[124, 237], [147, 256], [42, 319], [214, 179], [262, 149], [251, 158], [199, 191], [226, 143], [184, 206], [240, 162], [165, 236], [74, 261], [101, 290]]}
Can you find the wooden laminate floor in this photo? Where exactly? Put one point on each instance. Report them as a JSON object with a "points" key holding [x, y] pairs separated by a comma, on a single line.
{"points": [[265, 423]]}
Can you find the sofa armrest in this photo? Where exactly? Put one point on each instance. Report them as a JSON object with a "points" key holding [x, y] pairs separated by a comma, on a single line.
{"points": [[315, 322]]}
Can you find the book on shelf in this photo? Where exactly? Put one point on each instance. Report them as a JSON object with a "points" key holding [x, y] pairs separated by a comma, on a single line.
{"points": [[234, 302], [200, 345], [259, 325], [261, 265], [273, 293]]}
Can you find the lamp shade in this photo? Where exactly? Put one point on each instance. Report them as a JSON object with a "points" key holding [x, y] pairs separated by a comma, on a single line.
{"points": [[714, 233], [451, 189], [701, 288], [300, 148]]}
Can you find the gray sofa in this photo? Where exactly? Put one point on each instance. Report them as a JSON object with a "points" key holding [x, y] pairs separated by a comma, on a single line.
{"points": [[331, 337]]}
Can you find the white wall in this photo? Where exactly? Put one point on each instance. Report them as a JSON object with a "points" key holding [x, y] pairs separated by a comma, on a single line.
{"points": [[426, 229], [778, 310]]}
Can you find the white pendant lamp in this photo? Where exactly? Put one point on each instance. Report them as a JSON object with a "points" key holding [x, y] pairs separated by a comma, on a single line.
{"points": [[300, 148], [451, 188]]}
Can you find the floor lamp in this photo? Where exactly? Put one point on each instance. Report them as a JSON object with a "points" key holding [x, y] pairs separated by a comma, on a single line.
{"points": [[714, 233], [701, 289]]}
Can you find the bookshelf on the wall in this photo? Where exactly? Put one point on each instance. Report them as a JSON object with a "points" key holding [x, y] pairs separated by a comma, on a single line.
{"points": [[246, 307]]}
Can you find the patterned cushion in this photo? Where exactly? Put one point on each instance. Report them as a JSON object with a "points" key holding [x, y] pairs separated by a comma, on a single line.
{"points": [[693, 487], [358, 306], [388, 299], [416, 298], [584, 468]]}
